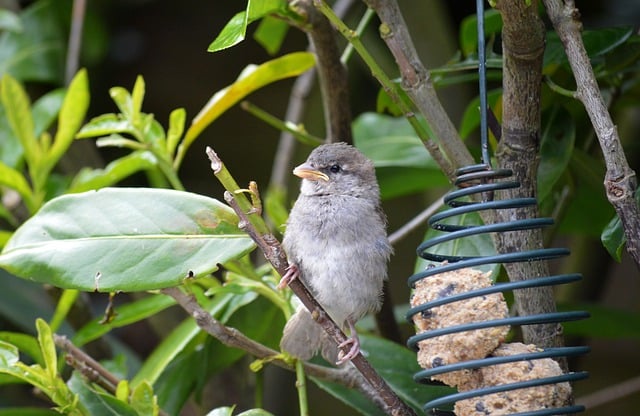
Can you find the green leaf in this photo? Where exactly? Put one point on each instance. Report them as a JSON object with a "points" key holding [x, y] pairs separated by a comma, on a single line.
{"points": [[17, 107], [22, 302], [74, 108], [472, 246], [28, 411], [96, 402], [205, 356], [35, 53], [232, 34], [255, 412], [125, 315], [271, 33], [176, 128], [397, 365], [471, 117], [103, 125], [613, 236], [64, 305], [25, 343], [89, 179], [143, 400], [251, 79], [10, 21], [48, 349], [402, 163], [588, 172], [137, 97], [222, 411], [123, 101], [173, 344], [13, 179], [257, 9], [390, 142], [45, 110], [11, 152], [597, 43], [120, 239], [556, 148], [235, 30], [469, 30], [8, 356]]}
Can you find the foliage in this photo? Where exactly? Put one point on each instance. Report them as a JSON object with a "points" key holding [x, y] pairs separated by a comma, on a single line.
{"points": [[83, 234]]}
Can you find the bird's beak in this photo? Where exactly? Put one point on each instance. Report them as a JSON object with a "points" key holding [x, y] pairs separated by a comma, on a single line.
{"points": [[305, 171]]}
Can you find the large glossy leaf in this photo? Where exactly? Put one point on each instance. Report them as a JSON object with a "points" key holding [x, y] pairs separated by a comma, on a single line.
{"points": [[397, 365], [472, 246], [556, 148], [469, 30], [588, 191], [597, 43], [120, 239], [402, 163], [22, 302], [35, 53]]}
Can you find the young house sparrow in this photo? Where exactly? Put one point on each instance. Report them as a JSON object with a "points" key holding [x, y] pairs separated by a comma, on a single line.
{"points": [[337, 244]]}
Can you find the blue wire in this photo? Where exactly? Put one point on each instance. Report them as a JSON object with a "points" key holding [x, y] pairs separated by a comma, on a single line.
{"points": [[482, 72]]}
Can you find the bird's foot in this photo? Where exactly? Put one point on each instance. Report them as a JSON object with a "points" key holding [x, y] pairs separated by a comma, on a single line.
{"points": [[292, 274], [353, 342]]}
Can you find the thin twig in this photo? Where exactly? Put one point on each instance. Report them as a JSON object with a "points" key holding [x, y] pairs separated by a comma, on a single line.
{"points": [[416, 221], [610, 393], [417, 84], [75, 39], [332, 74], [295, 130], [272, 250], [296, 107], [86, 365], [620, 180]]}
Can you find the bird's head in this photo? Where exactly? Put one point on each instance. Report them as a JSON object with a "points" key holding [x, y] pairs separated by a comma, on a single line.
{"points": [[338, 169]]}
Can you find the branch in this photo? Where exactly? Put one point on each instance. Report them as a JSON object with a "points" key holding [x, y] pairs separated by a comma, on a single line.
{"points": [[377, 390], [416, 82], [442, 158], [294, 115], [416, 221], [523, 49], [331, 72], [75, 39], [88, 367], [620, 180], [611, 393]]}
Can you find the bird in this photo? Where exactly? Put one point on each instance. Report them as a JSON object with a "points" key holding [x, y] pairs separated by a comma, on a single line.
{"points": [[336, 242]]}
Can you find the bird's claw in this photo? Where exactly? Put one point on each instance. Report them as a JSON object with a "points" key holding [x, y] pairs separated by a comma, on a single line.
{"points": [[353, 351], [292, 274]]}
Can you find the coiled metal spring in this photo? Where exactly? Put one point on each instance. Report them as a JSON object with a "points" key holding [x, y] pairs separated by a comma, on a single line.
{"points": [[482, 181]]}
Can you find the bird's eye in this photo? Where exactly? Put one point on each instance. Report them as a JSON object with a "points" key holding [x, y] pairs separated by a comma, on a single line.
{"points": [[335, 168]]}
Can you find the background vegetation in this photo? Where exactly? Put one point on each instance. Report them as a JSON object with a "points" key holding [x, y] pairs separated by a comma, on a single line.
{"points": [[148, 93]]}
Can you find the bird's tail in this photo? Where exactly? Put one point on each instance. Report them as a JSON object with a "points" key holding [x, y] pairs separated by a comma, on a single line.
{"points": [[303, 337]]}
